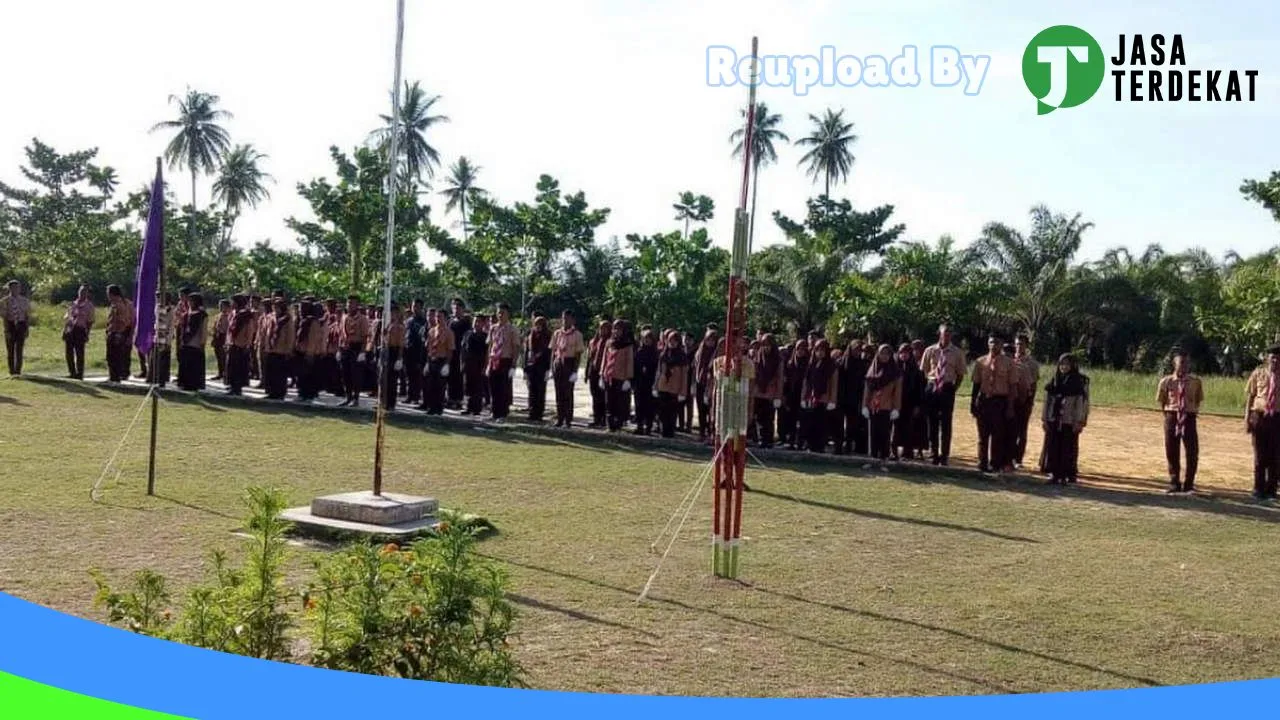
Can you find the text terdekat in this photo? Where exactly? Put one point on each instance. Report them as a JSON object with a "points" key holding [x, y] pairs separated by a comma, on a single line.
{"points": [[1135, 82]]}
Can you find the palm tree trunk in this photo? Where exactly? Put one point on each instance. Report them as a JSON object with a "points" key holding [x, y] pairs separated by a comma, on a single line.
{"points": [[686, 227], [828, 191], [464, 216], [191, 221], [755, 188], [357, 267]]}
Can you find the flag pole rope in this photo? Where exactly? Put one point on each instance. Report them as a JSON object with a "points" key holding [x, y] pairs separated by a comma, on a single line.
{"points": [[689, 495], [94, 495], [697, 490]]}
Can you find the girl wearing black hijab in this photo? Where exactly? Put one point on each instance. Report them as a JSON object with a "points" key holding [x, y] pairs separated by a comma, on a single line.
{"points": [[766, 389], [913, 384], [819, 394], [882, 402], [1066, 413]]}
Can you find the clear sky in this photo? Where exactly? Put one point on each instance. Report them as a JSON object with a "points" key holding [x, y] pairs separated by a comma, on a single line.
{"points": [[611, 97]]}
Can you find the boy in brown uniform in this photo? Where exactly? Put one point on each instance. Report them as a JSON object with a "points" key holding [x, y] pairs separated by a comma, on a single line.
{"points": [[995, 380], [220, 327], [355, 332], [277, 341], [120, 320], [1263, 423], [191, 341], [312, 345], [77, 324], [944, 368], [394, 363], [504, 346], [15, 309], [566, 354], [240, 333], [439, 354], [1180, 396], [332, 372], [1029, 372]]}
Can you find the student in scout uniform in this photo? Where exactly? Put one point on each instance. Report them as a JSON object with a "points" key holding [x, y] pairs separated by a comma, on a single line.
{"points": [[793, 427], [766, 390], [537, 367], [702, 379], [312, 341], [355, 333], [278, 341], [595, 353], [415, 352], [192, 336], [240, 334], [617, 369], [566, 353], [720, 369], [460, 323], [15, 309], [994, 385], [1065, 415], [219, 341], [1262, 421], [1180, 396], [685, 415], [504, 347], [850, 426], [905, 437], [671, 382], [920, 418], [1029, 369], [159, 371], [372, 352], [76, 326], [818, 395], [394, 339], [475, 361], [646, 391], [332, 369], [439, 353], [944, 368], [259, 321], [882, 402], [120, 320]]}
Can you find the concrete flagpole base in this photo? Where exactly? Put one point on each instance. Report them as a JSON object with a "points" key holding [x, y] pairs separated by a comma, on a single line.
{"points": [[363, 514]]}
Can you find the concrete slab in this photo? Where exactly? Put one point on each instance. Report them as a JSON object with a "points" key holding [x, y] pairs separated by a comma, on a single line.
{"points": [[309, 524], [369, 509]]}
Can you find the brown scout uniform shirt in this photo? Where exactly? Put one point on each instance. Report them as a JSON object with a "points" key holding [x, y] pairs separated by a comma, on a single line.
{"points": [[932, 359], [1165, 394], [281, 326], [996, 377], [566, 346], [355, 329], [1257, 389]]}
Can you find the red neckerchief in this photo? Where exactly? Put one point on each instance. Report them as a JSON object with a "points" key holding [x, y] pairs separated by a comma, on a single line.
{"points": [[1271, 394], [495, 355], [1180, 399], [940, 380], [610, 358]]}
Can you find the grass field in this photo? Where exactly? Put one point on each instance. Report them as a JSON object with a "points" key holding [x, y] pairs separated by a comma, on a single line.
{"points": [[1110, 388], [854, 584]]}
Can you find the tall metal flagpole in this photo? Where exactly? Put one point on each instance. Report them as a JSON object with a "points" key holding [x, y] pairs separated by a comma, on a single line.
{"points": [[393, 165], [732, 389], [155, 353]]}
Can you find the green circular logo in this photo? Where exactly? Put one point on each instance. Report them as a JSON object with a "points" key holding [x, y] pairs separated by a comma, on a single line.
{"points": [[1063, 67]]}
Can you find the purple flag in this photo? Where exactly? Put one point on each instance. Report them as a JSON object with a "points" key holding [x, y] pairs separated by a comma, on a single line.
{"points": [[150, 265]]}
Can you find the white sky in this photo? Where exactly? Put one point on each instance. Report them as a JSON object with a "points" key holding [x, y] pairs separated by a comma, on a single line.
{"points": [[611, 97]]}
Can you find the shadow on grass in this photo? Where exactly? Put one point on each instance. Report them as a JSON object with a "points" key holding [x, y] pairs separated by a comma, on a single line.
{"points": [[992, 685], [872, 515], [5, 400], [75, 387], [575, 614]]}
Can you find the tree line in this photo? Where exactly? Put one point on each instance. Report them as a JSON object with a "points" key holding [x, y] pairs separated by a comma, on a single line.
{"points": [[844, 271]]}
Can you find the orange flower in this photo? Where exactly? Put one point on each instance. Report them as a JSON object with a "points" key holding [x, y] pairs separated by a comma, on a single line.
{"points": [[311, 603], [390, 548], [444, 527], [416, 579], [414, 611]]}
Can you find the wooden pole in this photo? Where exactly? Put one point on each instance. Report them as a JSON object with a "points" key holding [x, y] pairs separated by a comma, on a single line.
{"points": [[155, 371]]}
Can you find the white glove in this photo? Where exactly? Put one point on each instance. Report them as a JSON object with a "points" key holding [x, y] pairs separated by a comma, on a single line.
{"points": [[573, 378], [511, 373], [341, 355], [777, 404], [360, 357], [681, 398], [655, 393], [893, 415], [866, 413], [548, 377], [626, 386], [805, 405], [600, 383], [444, 370], [399, 365], [831, 406]]}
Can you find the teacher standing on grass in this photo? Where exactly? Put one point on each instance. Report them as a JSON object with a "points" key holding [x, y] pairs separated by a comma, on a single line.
{"points": [[1180, 396], [1066, 413]]}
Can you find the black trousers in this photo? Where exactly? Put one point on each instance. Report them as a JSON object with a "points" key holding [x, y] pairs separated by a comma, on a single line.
{"points": [[1021, 424], [275, 375], [940, 407], [255, 366], [993, 432], [500, 389], [238, 360], [1266, 454], [599, 404], [158, 373], [764, 414], [669, 407], [646, 407], [119, 356], [220, 356], [535, 380], [814, 427], [619, 401], [474, 378], [310, 379], [414, 367], [704, 407], [387, 391], [75, 340], [685, 414], [836, 430], [855, 429], [191, 368], [434, 386], [331, 375], [904, 433], [1061, 452], [881, 427], [15, 340], [1173, 446], [353, 372], [564, 392], [456, 384]]}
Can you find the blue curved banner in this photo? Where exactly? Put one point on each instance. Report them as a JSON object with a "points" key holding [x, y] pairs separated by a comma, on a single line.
{"points": [[70, 654]]}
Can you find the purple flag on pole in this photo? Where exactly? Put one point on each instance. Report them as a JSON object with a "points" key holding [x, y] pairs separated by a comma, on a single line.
{"points": [[150, 265]]}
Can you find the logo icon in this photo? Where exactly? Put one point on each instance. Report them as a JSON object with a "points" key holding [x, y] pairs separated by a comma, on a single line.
{"points": [[1063, 67]]}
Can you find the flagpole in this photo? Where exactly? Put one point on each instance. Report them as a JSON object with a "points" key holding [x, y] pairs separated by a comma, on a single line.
{"points": [[155, 371], [392, 178]]}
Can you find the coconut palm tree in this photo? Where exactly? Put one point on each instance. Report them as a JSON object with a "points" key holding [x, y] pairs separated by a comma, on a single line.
{"points": [[829, 157], [765, 132], [461, 188], [693, 208], [200, 142], [241, 182], [104, 180], [415, 117]]}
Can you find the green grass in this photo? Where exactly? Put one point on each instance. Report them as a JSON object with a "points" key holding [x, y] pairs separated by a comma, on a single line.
{"points": [[852, 584]]}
